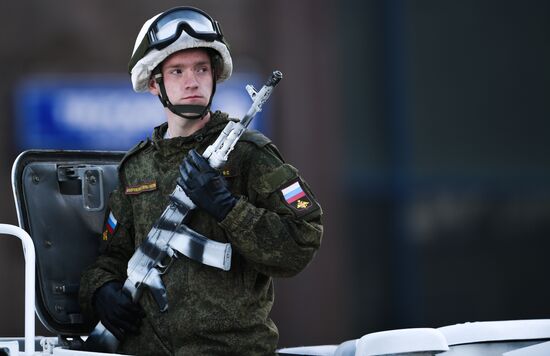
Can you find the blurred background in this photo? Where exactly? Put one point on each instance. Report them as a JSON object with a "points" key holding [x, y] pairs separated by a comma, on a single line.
{"points": [[422, 126]]}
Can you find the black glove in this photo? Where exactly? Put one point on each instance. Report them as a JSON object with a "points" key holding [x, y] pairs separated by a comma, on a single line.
{"points": [[116, 310], [205, 186]]}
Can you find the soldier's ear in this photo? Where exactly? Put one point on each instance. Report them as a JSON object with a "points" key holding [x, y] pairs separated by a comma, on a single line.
{"points": [[153, 87]]}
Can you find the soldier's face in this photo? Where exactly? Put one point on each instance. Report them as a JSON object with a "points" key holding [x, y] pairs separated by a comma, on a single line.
{"points": [[187, 77]]}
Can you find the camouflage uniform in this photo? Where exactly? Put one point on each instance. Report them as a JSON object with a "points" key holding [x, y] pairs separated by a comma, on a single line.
{"points": [[211, 312]]}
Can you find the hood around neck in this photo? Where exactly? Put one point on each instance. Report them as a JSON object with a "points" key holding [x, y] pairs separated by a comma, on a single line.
{"points": [[215, 125]]}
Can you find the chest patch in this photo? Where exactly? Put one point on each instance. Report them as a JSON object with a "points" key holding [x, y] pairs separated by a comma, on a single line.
{"points": [[228, 172], [296, 197], [140, 188]]}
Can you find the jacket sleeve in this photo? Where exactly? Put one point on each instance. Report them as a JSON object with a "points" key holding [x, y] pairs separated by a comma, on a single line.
{"points": [[277, 227], [116, 248]]}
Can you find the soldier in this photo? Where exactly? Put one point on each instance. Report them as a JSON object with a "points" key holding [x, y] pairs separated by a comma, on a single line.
{"points": [[258, 203]]}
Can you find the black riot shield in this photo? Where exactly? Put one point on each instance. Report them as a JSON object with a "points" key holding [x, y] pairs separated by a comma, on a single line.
{"points": [[61, 198]]}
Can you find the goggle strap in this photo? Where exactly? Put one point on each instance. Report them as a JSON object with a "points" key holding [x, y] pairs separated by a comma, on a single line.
{"points": [[139, 53]]}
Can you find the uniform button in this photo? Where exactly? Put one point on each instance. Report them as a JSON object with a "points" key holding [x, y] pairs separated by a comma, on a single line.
{"points": [[199, 138]]}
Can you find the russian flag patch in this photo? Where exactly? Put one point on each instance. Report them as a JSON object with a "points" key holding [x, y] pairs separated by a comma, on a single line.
{"points": [[111, 223], [296, 197], [110, 226]]}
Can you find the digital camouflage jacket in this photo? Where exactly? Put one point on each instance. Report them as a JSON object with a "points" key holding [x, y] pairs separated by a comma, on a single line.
{"points": [[274, 229]]}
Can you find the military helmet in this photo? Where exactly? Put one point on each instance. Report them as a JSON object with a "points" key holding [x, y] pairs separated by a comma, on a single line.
{"points": [[174, 30]]}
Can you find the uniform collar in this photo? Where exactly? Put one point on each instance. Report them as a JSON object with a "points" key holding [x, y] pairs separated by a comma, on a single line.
{"points": [[217, 122]]}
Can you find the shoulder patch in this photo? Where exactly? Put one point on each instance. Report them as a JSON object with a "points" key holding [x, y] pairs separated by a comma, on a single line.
{"points": [[109, 229], [296, 197]]}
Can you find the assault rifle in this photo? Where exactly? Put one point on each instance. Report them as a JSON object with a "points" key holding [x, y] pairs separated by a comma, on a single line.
{"points": [[169, 238]]}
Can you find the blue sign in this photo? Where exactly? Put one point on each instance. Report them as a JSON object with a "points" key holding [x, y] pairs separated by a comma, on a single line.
{"points": [[103, 112]]}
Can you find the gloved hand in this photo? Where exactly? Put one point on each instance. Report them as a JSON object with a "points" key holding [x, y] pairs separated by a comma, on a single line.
{"points": [[205, 186], [116, 310]]}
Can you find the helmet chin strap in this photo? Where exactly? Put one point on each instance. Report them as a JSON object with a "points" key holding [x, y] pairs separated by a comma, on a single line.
{"points": [[186, 111]]}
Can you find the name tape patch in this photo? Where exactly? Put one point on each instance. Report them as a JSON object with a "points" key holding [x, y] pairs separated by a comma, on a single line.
{"points": [[140, 188]]}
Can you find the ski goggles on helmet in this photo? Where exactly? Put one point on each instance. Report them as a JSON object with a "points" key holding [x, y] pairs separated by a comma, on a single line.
{"points": [[168, 26]]}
